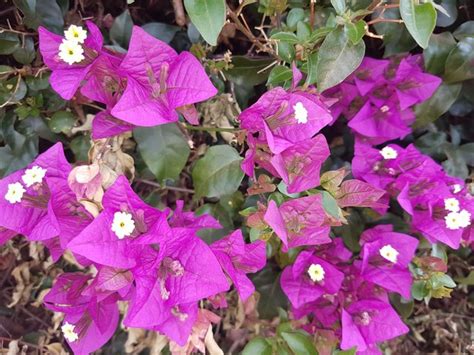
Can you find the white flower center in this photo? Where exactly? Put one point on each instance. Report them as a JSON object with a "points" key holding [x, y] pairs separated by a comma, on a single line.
{"points": [[389, 253], [385, 108], [389, 153], [123, 224], [316, 272], [75, 34], [301, 114], [33, 176], [71, 52], [15, 193], [69, 333], [451, 204], [457, 220]]}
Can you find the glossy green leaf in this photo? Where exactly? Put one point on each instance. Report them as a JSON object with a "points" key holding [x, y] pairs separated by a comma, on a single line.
{"points": [[355, 31], [41, 12], [248, 71], [61, 122], [303, 31], [460, 62], [218, 173], [294, 16], [286, 51], [447, 12], [9, 43], [338, 58], [396, 38], [162, 31], [288, 37], [420, 20], [339, 6], [80, 146], [312, 68], [279, 74], [208, 16], [267, 283], [430, 110], [437, 52], [299, 343], [164, 150], [121, 30], [26, 53], [466, 29], [257, 345]]}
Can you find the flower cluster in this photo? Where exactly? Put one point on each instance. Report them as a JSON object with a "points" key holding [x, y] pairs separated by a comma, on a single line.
{"points": [[347, 296], [440, 206], [281, 128], [377, 99], [150, 258], [148, 86]]}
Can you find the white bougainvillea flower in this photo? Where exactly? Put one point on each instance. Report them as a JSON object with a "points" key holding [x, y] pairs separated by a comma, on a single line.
{"points": [[33, 176], [75, 34], [123, 224], [15, 192], [389, 153], [301, 113], [451, 204], [389, 253], [457, 220], [71, 52], [69, 333], [316, 272]]}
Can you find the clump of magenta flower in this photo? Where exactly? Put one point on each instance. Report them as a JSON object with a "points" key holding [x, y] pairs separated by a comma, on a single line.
{"points": [[154, 261]]}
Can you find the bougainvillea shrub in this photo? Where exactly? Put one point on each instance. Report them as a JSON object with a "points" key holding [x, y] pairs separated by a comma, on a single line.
{"points": [[239, 177]]}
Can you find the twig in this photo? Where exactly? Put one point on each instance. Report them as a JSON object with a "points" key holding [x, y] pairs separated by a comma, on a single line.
{"points": [[24, 310], [211, 129], [179, 15], [2, 29], [377, 20], [161, 187], [311, 13]]}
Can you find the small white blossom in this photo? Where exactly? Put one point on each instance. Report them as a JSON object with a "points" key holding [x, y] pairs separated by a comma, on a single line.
{"points": [[123, 224], [69, 333], [464, 218], [301, 114], [457, 188], [385, 108], [389, 153], [33, 176], [316, 272], [75, 34], [389, 253], [451, 204], [15, 192], [457, 220], [71, 52]]}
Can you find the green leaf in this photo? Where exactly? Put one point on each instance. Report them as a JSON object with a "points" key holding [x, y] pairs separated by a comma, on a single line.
{"points": [[26, 53], [468, 280], [420, 20], [61, 122], [41, 12], [121, 30], [12, 91], [464, 30], [447, 12], [257, 345], [319, 34], [286, 51], [460, 62], [312, 68], [267, 283], [164, 150], [430, 110], [279, 74], [162, 31], [248, 71], [303, 31], [288, 37], [339, 6], [208, 16], [338, 58], [294, 16], [355, 31], [419, 290], [299, 343], [218, 173], [437, 52], [403, 307], [9, 43], [80, 147], [467, 151]]}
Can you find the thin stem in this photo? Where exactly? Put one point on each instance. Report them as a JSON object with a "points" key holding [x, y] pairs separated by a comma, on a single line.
{"points": [[210, 129], [2, 29], [159, 186], [377, 20]]}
